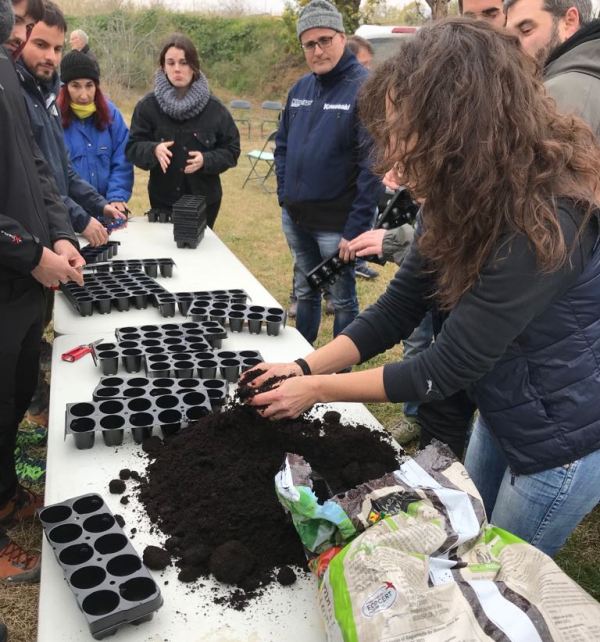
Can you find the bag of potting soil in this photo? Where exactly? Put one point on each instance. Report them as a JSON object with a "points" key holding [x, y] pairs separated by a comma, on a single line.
{"points": [[420, 563]]}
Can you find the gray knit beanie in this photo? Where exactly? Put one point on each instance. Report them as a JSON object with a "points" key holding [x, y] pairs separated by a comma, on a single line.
{"points": [[319, 14], [7, 20]]}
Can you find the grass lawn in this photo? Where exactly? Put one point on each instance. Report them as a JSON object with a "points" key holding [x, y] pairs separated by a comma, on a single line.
{"points": [[249, 223]]}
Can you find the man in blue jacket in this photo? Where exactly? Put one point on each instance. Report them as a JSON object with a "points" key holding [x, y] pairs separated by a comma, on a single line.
{"points": [[324, 183], [37, 70]]}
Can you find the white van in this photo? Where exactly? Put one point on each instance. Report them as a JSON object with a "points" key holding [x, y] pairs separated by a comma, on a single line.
{"points": [[384, 39]]}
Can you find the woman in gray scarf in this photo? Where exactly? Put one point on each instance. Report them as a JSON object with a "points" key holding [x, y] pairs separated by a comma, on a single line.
{"points": [[182, 133]]}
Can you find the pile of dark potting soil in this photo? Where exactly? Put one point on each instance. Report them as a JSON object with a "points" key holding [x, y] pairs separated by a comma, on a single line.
{"points": [[211, 489]]}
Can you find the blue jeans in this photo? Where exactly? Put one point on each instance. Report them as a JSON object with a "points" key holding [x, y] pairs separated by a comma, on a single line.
{"points": [[309, 248], [541, 508], [418, 341]]}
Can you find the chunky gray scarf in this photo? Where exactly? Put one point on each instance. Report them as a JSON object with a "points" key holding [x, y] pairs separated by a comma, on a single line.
{"points": [[194, 101]]}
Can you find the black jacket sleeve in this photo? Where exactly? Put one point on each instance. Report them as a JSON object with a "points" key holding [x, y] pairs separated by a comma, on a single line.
{"points": [[59, 221], [227, 149], [141, 144], [19, 250], [509, 294]]}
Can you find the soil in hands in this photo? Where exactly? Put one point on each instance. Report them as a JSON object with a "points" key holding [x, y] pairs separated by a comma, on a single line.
{"points": [[210, 489]]}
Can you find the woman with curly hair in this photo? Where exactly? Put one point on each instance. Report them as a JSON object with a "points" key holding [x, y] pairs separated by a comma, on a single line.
{"points": [[508, 248], [182, 133]]}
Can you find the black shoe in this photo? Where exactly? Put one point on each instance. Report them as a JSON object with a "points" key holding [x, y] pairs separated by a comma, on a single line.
{"points": [[3, 633]]}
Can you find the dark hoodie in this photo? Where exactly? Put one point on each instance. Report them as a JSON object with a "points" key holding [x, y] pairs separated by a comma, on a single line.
{"points": [[322, 154], [31, 214], [572, 75]]}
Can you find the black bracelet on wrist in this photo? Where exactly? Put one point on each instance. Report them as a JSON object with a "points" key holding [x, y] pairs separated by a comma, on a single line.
{"points": [[303, 366]]}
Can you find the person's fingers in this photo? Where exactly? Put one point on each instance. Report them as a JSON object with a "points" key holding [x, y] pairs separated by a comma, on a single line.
{"points": [[169, 143], [74, 275]]}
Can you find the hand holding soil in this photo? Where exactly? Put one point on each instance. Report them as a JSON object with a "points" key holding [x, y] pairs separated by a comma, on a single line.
{"points": [[269, 371], [287, 399]]}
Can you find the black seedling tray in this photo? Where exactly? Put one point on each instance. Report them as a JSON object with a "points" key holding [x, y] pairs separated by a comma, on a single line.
{"points": [[133, 356], [157, 215], [211, 331], [122, 388], [183, 356], [100, 253], [151, 267], [239, 314], [189, 221], [139, 414], [326, 272], [118, 290], [111, 585], [185, 299]]}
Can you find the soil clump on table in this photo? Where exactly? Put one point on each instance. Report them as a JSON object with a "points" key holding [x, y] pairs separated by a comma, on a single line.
{"points": [[211, 489]]}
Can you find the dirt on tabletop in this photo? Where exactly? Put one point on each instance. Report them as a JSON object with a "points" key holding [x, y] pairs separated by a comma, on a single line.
{"points": [[210, 488]]}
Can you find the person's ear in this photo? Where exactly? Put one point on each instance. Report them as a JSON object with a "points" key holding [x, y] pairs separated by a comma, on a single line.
{"points": [[571, 22]]}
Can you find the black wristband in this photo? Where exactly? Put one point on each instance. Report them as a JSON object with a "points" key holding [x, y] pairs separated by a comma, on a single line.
{"points": [[303, 366]]}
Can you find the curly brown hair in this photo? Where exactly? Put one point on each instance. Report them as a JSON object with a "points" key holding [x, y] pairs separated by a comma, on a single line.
{"points": [[463, 112]]}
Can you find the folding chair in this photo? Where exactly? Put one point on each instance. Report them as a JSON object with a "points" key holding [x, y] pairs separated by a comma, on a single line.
{"points": [[240, 110], [270, 105], [259, 156]]}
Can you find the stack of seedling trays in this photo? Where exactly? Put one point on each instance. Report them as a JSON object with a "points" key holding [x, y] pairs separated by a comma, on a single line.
{"points": [[106, 575], [120, 291], [100, 253], [185, 299], [140, 414], [189, 221], [239, 315]]}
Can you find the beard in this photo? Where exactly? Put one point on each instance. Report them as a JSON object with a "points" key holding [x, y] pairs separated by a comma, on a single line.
{"points": [[543, 53]]}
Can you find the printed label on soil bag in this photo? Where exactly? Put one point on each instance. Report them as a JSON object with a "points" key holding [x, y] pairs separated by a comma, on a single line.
{"points": [[382, 599]]}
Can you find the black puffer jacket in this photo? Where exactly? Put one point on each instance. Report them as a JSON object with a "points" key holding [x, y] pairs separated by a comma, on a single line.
{"points": [[211, 132], [32, 215]]}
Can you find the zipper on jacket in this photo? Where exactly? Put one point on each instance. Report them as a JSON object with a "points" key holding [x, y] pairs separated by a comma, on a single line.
{"points": [[311, 121]]}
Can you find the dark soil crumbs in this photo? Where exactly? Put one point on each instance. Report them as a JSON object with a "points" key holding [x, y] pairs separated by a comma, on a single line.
{"points": [[125, 474], [156, 558], [116, 486], [211, 489]]}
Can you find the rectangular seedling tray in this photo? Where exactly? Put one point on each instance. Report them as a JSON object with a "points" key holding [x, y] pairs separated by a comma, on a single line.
{"points": [[151, 267], [185, 299], [140, 414], [211, 332], [111, 585], [215, 390], [240, 315], [118, 290], [99, 253]]}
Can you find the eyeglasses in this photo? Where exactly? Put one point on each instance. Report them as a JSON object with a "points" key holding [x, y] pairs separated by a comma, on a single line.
{"points": [[324, 42]]}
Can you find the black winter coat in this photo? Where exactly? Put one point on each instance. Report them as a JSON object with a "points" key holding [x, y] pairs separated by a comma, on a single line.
{"points": [[32, 215], [211, 132]]}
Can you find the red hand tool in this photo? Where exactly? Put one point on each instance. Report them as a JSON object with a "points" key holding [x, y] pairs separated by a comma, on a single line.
{"points": [[80, 351]]}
